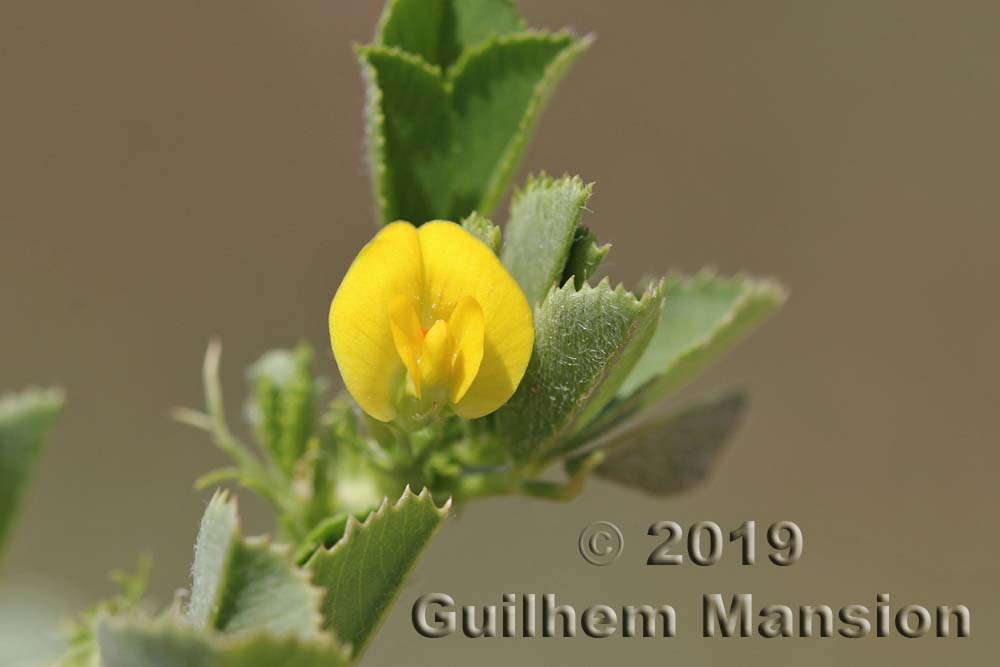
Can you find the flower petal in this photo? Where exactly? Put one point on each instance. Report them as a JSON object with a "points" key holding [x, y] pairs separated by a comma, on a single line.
{"points": [[435, 361], [456, 264], [407, 335], [390, 265], [468, 328]]}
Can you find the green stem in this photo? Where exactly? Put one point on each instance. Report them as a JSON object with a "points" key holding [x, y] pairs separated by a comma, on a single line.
{"points": [[266, 480]]}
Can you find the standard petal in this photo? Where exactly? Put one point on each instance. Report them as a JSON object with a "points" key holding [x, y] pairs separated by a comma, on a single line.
{"points": [[390, 265], [456, 264]]}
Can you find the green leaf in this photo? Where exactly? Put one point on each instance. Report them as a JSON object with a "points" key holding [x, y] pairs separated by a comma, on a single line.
{"points": [[671, 455], [586, 341], [249, 470], [410, 136], [325, 534], [484, 230], [133, 642], [585, 257], [284, 412], [499, 88], [25, 419], [703, 316], [439, 30], [544, 218], [243, 585], [83, 650], [363, 572]]}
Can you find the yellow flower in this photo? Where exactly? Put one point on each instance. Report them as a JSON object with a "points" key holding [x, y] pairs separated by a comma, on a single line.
{"points": [[427, 318]]}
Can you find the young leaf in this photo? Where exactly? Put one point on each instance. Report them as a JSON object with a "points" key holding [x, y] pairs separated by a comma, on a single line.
{"points": [[498, 90], [586, 341], [284, 413], [439, 30], [243, 585], [25, 419], [326, 533], [703, 316], [484, 230], [134, 642], [585, 257], [409, 130], [82, 631], [672, 455], [363, 572], [544, 218], [260, 650]]}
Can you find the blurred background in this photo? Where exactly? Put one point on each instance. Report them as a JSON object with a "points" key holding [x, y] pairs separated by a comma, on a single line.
{"points": [[172, 171]]}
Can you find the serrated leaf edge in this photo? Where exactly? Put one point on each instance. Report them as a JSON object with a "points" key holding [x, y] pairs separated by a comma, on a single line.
{"points": [[512, 152], [224, 498], [315, 591], [598, 250], [556, 443], [390, 6], [529, 35], [214, 640], [375, 118], [542, 181], [278, 549], [751, 289], [652, 291], [353, 525]]}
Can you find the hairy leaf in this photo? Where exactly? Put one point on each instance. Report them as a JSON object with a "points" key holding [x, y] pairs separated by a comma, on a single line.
{"points": [[585, 257], [25, 419], [133, 642], [363, 572], [409, 130], [245, 585], [586, 341], [283, 413], [703, 316], [484, 230], [439, 30], [544, 219], [671, 455], [498, 90], [83, 650]]}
